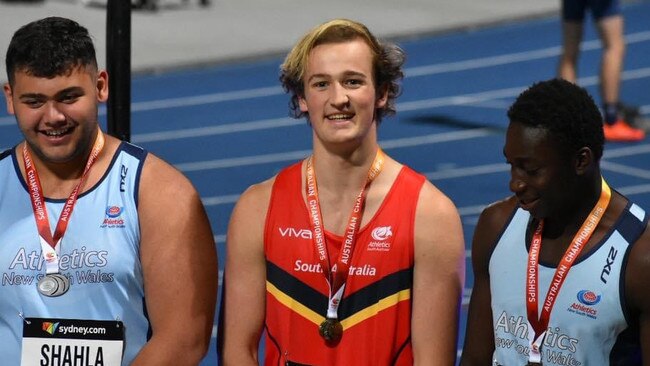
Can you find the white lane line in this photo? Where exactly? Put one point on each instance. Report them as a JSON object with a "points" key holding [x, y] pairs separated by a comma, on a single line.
{"points": [[218, 129], [480, 97], [632, 190], [409, 72], [473, 99], [299, 154], [512, 57], [625, 169], [490, 169], [206, 99], [467, 171]]}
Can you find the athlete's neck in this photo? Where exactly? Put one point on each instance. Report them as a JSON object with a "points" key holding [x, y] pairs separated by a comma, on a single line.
{"points": [[571, 217], [343, 172], [58, 179]]}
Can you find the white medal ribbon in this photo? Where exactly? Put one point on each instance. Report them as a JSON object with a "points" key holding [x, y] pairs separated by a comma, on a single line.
{"points": [[51, 256], [334, 302], [535, 350]]}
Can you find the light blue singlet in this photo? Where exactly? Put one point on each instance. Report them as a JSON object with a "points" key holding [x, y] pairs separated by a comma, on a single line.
{"points": [[588, 324], [99, 254]]}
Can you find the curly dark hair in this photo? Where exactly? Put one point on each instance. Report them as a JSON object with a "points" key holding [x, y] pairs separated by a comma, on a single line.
{"points": [[566, 110], [388, 59], [49, 47]]}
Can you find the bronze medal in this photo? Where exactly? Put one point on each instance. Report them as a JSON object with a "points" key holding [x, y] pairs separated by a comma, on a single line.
{"points": [[331, 330]]}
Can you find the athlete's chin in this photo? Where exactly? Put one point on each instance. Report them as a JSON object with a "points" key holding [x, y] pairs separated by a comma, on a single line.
{"points": [[342, 137], [538, 213], [60, 155], [534, 208]]}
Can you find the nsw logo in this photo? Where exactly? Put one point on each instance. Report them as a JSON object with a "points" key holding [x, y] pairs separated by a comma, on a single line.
{"points": [[585, 305], [50, 327], [113, 211], [113, 217], [588, 298]]}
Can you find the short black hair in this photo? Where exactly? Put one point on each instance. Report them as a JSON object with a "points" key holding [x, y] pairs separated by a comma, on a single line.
{"points": [[49, 47], [564, 109]]}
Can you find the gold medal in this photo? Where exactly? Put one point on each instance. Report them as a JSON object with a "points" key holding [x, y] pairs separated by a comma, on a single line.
{"points": [[331, 330]]}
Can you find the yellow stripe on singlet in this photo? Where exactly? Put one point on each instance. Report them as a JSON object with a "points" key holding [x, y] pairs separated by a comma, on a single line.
{"points": [[348, 322], [375, 308], [294, 305]]}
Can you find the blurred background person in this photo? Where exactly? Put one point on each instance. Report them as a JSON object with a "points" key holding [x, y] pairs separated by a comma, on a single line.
{"points": [[609, 23]]}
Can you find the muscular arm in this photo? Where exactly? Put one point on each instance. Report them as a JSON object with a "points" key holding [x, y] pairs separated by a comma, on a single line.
{"points": [[179, 264], [438, 278], [245, 278], [637, 294], [479, 338]]}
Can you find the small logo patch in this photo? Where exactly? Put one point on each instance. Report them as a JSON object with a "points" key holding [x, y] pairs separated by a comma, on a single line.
{"points": [[585, 305], [50, 327], [112, 218], [381, 233], [113, 211], [588, 298]]}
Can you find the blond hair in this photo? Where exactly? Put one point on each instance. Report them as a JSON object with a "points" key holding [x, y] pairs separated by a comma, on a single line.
{"points": [[387, 60]]}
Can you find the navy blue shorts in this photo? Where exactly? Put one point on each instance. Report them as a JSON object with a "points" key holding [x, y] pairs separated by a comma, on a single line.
{"points": [[575, 10]]}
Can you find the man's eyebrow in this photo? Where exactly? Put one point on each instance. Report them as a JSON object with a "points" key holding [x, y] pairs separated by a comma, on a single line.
{"points": [[346, 73], [72, 89], [317, 76], [32, 96]]}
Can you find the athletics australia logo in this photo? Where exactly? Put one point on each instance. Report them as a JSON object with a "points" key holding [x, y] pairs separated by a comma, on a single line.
{"points": [[585, 305], [113, 217], [380, 236]]}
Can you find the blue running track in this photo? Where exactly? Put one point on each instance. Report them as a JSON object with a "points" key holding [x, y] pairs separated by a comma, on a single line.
{"points": [[227, 127]]}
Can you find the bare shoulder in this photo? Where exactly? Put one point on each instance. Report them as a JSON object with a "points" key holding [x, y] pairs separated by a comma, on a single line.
{"points": [[437, 223], [254, 201], [491, 222], [497, 214], [637, 286], [169, 203], [161, 180], [246, 226], [434, 202]]}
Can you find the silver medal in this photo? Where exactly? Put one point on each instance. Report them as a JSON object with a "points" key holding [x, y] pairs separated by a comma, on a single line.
{"points": [[53, 285]]}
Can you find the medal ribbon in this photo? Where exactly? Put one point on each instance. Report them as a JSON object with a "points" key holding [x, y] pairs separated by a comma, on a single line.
{"points": [[49, 242], [338, 274], [540, 324]]}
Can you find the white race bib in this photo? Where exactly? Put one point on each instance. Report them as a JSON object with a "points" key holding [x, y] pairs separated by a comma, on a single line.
{"points": [[57, 342]]}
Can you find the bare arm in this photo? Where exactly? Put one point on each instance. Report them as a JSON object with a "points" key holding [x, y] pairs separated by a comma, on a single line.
{"points": [[636, 288], [479, 338], [179, 264], [439, 277], [245, 277]]}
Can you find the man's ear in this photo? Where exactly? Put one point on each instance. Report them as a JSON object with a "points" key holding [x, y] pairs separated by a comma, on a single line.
{"points": [[302, 103], [382, 97], [102, 86], [584, 160], [9, 98]]}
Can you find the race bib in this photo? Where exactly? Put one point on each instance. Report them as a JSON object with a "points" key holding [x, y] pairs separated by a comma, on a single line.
{"points": [[58, 342]]}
